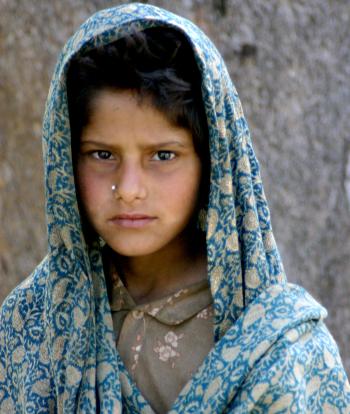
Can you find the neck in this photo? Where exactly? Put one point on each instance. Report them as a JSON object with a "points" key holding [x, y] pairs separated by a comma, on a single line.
{"points": [[157, 275]]}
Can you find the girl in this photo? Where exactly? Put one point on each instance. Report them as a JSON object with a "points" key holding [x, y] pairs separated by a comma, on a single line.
{"points": [[162, 290]]}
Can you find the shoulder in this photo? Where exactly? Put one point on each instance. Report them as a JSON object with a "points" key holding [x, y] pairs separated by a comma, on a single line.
{"points": [[277, 357], [24, 363], [24, 300], [300, 372]]}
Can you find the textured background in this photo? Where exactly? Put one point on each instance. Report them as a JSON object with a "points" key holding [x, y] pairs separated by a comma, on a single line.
{"points": [[290, 62]]}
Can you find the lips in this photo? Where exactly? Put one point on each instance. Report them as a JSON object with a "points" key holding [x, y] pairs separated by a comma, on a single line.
{"points": [[134, 221]]}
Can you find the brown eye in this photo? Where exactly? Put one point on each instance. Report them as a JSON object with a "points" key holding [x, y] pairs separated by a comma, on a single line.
{"points": [[102, 155], [164, 155]]}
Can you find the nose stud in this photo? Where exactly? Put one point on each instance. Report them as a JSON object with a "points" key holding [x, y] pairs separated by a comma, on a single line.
{"points": [[114, 190]]}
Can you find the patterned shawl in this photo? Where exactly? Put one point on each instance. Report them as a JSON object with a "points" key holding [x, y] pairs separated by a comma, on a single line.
{"points": [[272, 350]]}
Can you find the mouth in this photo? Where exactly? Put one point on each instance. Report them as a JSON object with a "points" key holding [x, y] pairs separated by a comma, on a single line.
{"points": [[133, 221]]}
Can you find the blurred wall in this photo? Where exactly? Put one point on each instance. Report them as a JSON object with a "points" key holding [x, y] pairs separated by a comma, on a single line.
{"points": [[290, 62]]}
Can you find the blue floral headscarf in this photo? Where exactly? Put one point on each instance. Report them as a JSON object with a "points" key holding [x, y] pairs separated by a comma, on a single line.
{"points": [[272, 351]]}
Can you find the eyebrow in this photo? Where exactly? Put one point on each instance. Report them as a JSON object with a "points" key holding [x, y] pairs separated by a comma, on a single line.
{"points": [[102, 144]]}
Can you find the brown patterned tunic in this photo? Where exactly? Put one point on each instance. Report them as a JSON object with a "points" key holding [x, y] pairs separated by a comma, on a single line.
{"points": [[163, 343]]}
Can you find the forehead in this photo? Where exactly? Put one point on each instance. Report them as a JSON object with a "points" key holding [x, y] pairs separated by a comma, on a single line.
{"points": [[121, 116]]}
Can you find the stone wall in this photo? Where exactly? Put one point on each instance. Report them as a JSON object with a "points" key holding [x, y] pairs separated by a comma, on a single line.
{"points": [[290, 62]]}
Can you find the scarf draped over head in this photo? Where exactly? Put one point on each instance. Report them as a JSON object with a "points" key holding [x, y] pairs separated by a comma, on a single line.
{"points": [[56, 333]]}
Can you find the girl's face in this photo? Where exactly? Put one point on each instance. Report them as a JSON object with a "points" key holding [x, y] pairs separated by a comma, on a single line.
{"points": [[153, 165]]}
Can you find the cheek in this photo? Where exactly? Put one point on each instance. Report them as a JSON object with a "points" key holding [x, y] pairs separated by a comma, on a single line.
{"points": [[91, 192], [182, 193]]}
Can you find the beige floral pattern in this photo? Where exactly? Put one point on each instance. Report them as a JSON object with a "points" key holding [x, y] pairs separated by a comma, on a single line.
{"points": [[205, 313], [136, 349], [171, 338], [166, 351]]}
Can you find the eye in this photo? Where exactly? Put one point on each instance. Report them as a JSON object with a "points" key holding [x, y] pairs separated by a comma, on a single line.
{"points": [[102, 155], [164, 156]]}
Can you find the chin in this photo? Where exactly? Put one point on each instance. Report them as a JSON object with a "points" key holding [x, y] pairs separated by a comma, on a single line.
{"points": [[133, 249]]}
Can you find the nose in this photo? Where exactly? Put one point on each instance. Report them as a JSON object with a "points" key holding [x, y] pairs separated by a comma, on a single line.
{"points": [[130, 182]]}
